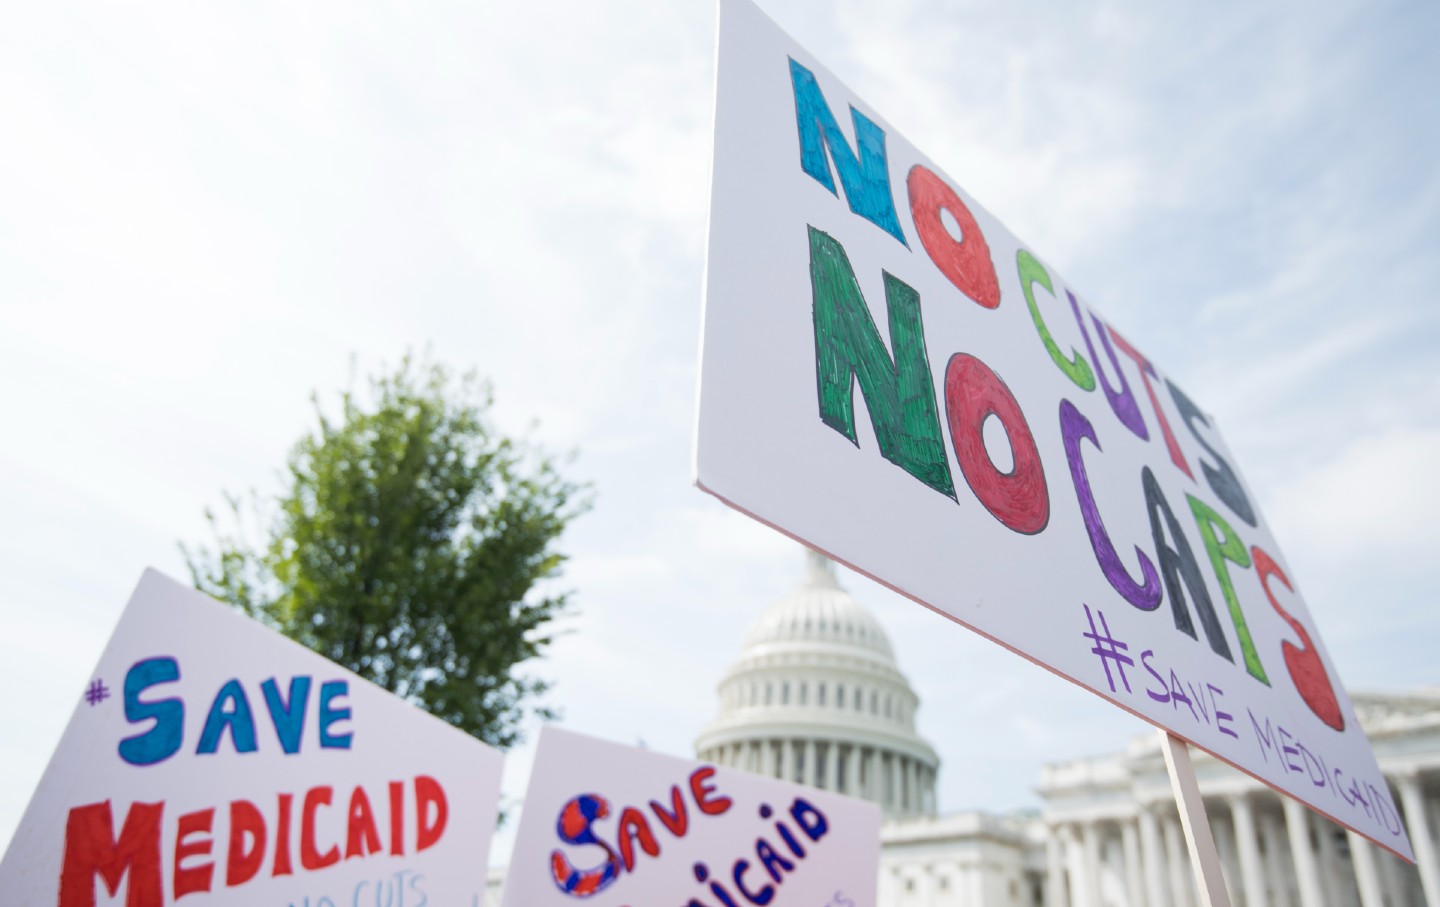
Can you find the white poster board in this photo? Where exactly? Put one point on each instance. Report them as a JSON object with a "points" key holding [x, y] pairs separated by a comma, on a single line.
{"points": [[213, 761], [614, 826], [891, 376]]}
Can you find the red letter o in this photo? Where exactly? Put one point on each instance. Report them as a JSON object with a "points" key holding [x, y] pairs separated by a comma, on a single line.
{"points": [[1019, 498]]}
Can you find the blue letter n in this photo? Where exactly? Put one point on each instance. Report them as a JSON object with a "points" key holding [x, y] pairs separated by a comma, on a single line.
{"points": [[867, 180]]}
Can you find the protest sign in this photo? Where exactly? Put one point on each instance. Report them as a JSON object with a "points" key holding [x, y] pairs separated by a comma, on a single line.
{"points": [[893, 377], [614, 826], [212, 760]]}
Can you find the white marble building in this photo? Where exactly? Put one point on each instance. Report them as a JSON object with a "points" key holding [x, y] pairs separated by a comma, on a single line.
{"points": [[816, 697]]}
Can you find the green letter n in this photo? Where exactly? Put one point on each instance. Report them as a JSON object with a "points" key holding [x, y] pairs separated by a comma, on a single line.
{"points": [[898, 392]]}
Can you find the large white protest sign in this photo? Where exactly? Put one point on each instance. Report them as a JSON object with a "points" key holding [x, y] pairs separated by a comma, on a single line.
{"points": [[213, 761], [893, 377], [613, 826]]}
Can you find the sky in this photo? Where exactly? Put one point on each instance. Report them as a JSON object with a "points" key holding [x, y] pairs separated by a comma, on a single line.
{"points": [[209, 213]]}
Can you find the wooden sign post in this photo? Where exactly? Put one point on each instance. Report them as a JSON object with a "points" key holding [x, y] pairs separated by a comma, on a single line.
{"points": [[1204, 858]]}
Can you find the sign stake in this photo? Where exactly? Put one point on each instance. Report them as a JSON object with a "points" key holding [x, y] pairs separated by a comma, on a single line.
{"points": [[1204, 858]]}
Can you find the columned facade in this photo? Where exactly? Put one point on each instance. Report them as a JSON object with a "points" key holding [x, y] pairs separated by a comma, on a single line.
{"points": [[1274, 851], [1110, 836]]}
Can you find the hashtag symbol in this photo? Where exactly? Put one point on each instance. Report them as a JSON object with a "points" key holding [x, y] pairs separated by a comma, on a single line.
{"points": [[1109, 649], [97, 692]]}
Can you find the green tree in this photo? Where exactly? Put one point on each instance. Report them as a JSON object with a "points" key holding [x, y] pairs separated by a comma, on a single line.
{"points": [[407, 546]]}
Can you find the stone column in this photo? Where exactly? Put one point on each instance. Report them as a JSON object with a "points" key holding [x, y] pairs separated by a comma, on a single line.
{"points": [[1156, 894], [1175, 859], [1432, 809], [873, 790], [892, 802], [1074, 865], [1419, 825], [1130, 848], [1297, 823], [1394, 880], [889, 889], [907, 786], [897, 784], [1252, 881], [852, 771], [882, 780], [1367, 878], [1090, 855], [787, 760], [811, 769], [1331, 875], [832, 765], [1275, 866], [1054, 870], [975, 885], [1223, 834], [913, 789], [902, 792]]}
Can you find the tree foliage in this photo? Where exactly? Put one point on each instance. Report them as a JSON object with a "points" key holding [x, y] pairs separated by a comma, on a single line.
{"points": [[407, 546]]}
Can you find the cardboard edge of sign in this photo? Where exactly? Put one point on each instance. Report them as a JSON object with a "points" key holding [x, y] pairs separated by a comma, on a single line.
{"points": [[709, 227], [700, 484]]}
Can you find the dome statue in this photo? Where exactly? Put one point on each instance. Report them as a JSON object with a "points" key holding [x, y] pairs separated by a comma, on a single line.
{"points": [[816, 697]]}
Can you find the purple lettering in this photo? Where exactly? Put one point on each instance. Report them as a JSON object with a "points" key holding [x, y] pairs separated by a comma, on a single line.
{"points": [[1145, 595], [1177, 694], [1164, 694], [1123, 402], [1264, 738], [1287, 750], [1220, 716]]}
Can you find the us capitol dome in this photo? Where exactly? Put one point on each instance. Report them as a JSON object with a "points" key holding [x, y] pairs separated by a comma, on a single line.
{"points": [[816, 697]]}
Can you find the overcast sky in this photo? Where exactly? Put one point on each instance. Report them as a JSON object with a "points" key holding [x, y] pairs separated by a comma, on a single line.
{"points": [[207, 212]]}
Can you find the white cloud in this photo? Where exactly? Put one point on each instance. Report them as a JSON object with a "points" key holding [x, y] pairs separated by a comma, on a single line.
{"points": [[1374, 501]]}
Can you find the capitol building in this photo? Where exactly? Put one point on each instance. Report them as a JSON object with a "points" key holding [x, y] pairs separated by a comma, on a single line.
{"points": [[817, 697]]}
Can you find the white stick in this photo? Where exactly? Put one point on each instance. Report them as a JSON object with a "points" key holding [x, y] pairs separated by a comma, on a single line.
{"points": [[1203, 857]]}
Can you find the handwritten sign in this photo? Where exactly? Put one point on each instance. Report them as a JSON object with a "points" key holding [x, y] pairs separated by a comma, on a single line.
{"points": [[893, 377], [210, 756], [612, 826]]}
